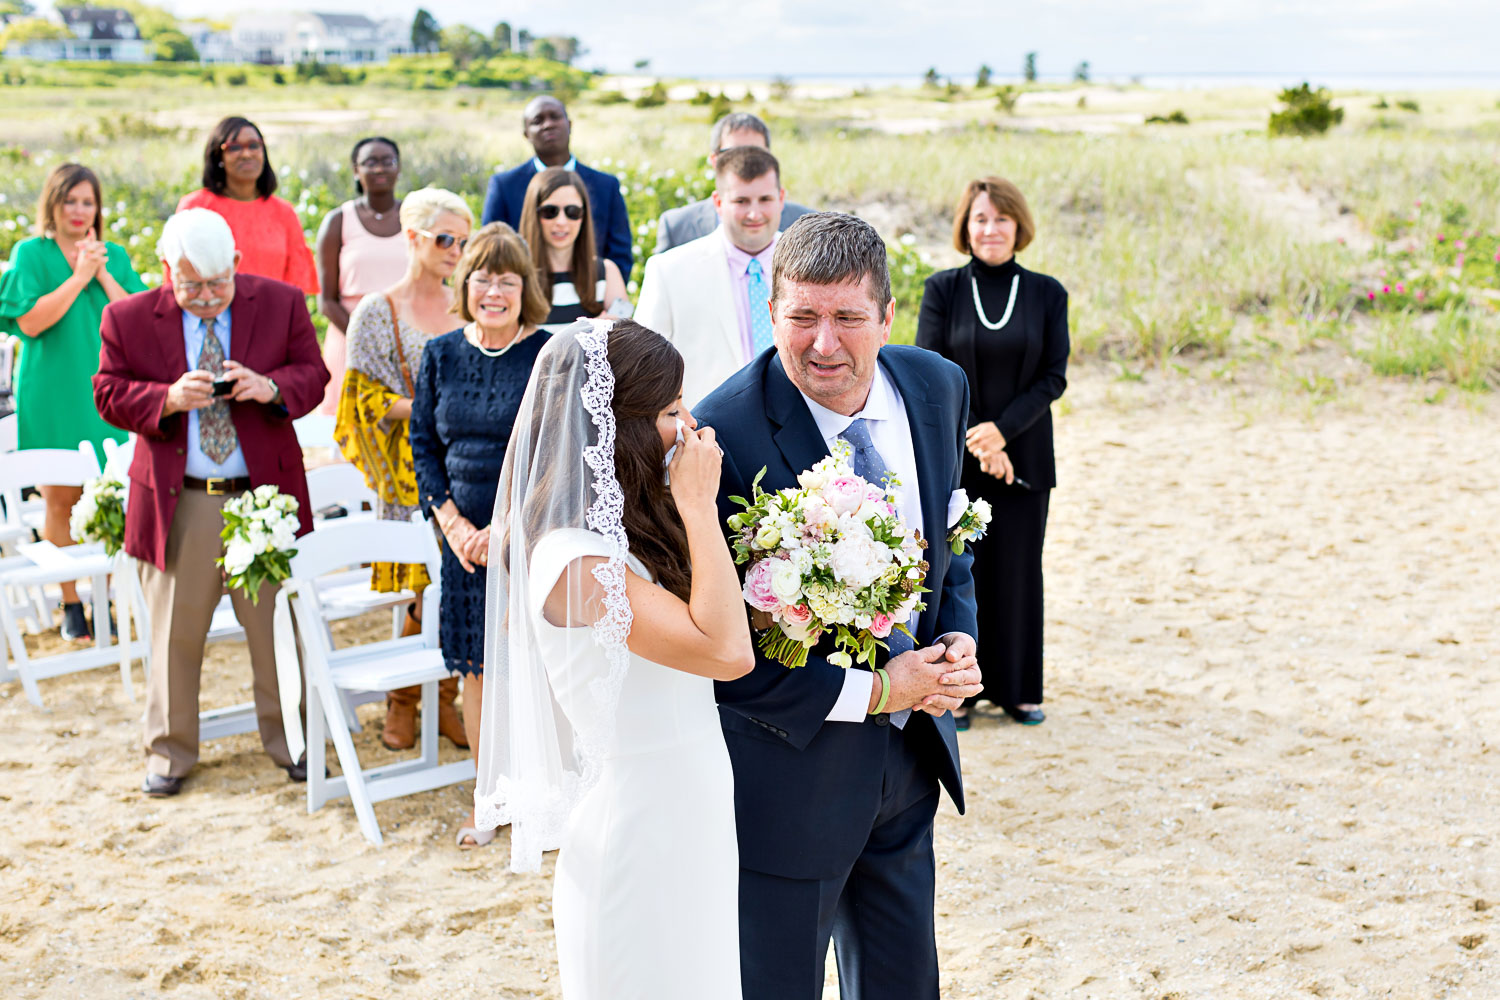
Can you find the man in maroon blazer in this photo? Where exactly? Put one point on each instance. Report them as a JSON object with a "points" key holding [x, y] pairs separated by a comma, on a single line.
{"points": [[162, 352]]}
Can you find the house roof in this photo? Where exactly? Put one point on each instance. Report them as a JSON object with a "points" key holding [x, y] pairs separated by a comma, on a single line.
{"points": [[345, 21], [100, 23]]}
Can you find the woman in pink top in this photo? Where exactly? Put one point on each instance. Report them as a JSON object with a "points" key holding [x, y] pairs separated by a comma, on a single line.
{"points": [[361, 250], [239, 184]]}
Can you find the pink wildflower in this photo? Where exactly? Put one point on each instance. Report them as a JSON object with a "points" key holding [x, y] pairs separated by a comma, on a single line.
{"points": [[1421, 295], [1385, 289], [1460, 245], [1400, 288], [1440, 237], [1371, 295], [1497, 256]]}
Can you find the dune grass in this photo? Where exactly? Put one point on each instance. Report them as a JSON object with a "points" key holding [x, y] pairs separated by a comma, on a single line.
{"points": [[1209, 239]]}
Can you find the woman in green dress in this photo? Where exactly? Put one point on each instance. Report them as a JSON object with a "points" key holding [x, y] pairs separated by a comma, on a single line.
{"points": [[52, 296]]}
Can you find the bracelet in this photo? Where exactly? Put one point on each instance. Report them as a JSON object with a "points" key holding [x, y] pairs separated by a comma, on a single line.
{"points": [[885, 689]]}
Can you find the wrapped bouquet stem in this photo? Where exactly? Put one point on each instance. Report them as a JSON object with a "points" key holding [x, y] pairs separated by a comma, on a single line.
{"points": [[260, 530], [831, 556]]}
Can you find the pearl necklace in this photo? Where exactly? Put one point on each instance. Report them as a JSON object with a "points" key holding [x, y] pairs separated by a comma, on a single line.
{"points": [[1015, 283], [472, 336]]}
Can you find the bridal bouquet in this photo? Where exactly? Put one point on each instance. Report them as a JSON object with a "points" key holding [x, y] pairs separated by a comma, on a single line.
{"points": [[260, 528], [99, 515], [832, 555]]}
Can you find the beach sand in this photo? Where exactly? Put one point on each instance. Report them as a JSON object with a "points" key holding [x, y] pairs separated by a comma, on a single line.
{"points": [[1269, 767]]}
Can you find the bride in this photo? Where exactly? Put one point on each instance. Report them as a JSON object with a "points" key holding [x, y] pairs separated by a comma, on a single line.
{"points": [[613, 606]]}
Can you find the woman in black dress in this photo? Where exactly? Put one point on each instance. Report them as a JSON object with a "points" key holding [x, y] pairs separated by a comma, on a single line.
{"points": [[1007, 327], [468, 392], [557, 224]]}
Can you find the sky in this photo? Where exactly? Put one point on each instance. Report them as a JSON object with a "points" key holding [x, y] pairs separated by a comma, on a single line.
{"points": [[853, 38]]}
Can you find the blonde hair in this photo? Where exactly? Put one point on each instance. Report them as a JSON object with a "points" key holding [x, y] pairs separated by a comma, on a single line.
{"points": [[421, 208]]}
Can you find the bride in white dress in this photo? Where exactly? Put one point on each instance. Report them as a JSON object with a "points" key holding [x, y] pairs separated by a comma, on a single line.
{"points": [[614, 604]]}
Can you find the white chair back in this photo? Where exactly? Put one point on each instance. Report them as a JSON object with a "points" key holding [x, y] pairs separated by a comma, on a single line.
{"points": [[48, 466], [10, 432], [341, 484], [316, 431]]}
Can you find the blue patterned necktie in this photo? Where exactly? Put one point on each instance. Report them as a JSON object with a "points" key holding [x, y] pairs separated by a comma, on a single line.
{"points": [[869, 466], [758, 293], [216, 436]]}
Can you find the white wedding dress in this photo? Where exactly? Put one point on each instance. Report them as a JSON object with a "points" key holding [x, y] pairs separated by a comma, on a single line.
{"points": [[645, 902]]}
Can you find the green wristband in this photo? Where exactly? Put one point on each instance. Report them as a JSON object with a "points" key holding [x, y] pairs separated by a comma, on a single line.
{"points": [[885, 689]]}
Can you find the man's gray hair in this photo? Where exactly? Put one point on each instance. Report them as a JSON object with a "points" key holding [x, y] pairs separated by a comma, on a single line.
{"points": [[827, 248], [202, 236], [738, 121]]}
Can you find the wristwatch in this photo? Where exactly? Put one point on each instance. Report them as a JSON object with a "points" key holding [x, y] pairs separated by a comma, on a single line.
{"points": [[275, 389]]}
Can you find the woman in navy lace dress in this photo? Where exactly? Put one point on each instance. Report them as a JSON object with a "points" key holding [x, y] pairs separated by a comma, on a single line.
{"points": [[468, 391]]}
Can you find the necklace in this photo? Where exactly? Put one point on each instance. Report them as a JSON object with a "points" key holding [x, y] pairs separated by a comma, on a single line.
{"points": [[371, 209], [472, 336], [1015, 283]]}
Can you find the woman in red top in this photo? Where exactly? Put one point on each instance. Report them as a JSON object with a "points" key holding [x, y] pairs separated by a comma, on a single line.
{"points": [[239, 184]]}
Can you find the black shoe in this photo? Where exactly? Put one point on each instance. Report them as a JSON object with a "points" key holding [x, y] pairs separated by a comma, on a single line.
{"points": [[1025, 716], [963, 722], [298, 771], [159, 786], [75, 627]]}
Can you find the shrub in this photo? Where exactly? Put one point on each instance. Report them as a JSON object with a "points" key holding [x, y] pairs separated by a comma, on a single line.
{"points": [[718, 108], [653, 98], [1006, 98], [237, 78], [1178, 117], [1306, 112], [611, 97], [1409, 105]]}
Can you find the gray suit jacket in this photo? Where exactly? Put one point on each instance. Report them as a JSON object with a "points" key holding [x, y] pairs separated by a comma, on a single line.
{"points": [[690, 222]]}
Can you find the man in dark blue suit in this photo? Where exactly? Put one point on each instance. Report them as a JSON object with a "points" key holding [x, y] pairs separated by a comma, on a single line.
{"points": [[836, 778], [548, 129]]}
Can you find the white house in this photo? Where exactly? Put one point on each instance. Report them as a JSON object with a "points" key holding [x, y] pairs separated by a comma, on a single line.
{"points": [[212, 45], [290, 37], [107, 34]]}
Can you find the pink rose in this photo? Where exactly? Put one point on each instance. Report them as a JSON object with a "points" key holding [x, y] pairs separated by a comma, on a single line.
{"points": [[845, 494], [881, 625], [757, 589], [796, 621]]}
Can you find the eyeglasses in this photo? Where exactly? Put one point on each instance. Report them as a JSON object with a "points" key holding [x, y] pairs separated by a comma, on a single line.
{"points": [[482, 283], [235, 148], [379, 162], [549, 212], [445, 240], [194, 287]]}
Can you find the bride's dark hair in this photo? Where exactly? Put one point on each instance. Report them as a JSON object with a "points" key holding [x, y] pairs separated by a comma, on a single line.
{"points": [[648, 378]]}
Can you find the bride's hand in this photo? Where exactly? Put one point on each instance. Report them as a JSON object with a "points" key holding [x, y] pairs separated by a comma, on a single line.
{"points": [[695, 470]]}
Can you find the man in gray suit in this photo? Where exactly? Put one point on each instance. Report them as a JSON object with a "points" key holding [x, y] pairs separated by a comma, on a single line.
{"points": [[689, 222]]}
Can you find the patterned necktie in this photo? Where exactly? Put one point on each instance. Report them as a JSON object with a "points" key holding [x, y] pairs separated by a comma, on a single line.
{"points": [[216, 435], [869, 466], [758, 293]]}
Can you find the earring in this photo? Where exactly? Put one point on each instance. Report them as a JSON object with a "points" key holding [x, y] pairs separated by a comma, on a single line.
{"points": [[221, 164]]}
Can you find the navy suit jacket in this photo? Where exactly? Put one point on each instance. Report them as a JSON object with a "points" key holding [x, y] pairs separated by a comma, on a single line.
{"points": [[507, 196], [807, 791]]}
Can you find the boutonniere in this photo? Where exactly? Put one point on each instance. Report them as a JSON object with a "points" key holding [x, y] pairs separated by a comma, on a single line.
{"points": [[967, 522]]}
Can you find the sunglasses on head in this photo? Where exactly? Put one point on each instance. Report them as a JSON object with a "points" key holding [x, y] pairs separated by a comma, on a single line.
{"points": [[444, 240], [574, 212]]}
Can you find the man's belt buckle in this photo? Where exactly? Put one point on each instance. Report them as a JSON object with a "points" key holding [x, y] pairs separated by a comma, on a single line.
{"points": [[219, 487]]}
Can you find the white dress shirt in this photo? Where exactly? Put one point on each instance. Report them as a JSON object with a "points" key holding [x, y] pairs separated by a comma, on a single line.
{"points": [[572, 164], [884, 414], [199, 465]]}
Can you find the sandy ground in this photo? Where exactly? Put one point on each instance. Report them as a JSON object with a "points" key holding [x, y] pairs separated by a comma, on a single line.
{"points": [[1268, 770]]}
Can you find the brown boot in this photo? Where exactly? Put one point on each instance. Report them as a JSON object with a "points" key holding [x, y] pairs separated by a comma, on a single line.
{"points": [[450, 719], [401, 718]]}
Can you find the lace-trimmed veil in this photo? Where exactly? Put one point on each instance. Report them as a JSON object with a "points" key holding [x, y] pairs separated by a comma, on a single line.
{"points": [[547, 722]]}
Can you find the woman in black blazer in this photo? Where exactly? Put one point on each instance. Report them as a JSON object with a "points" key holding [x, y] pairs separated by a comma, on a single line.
{"points": [[1007, 328]]}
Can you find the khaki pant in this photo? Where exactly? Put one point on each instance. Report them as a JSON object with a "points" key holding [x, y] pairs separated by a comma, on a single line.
{"points": [[181, 600]]}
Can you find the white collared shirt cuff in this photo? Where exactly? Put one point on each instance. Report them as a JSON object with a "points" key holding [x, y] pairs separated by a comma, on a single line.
{"points": [[854, 701]]}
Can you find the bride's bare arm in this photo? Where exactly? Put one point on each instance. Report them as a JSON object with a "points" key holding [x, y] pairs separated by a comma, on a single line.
{"points": [[709, 634]]}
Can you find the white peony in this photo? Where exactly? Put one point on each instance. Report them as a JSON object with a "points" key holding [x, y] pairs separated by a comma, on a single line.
{"points": [[284, 536], [857, 560], [786, 582], [237, 557]]}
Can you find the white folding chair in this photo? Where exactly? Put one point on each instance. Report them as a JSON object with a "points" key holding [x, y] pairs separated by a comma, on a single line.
{"points": [[315, 430], [42, 564], [342, 484], [19, 524], [372, 667]]}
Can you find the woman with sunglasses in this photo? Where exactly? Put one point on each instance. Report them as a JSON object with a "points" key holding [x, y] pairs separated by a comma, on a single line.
{"points": [[559, 228], [361, 249], [469, 391], [239, 184], [388, 331]]}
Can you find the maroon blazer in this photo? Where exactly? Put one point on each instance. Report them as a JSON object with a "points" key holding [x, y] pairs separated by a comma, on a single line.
{"points": [[143, 353]]}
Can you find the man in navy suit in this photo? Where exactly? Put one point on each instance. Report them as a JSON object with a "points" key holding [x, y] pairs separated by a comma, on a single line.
{"points": [[547, 128], [836, 777]]}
